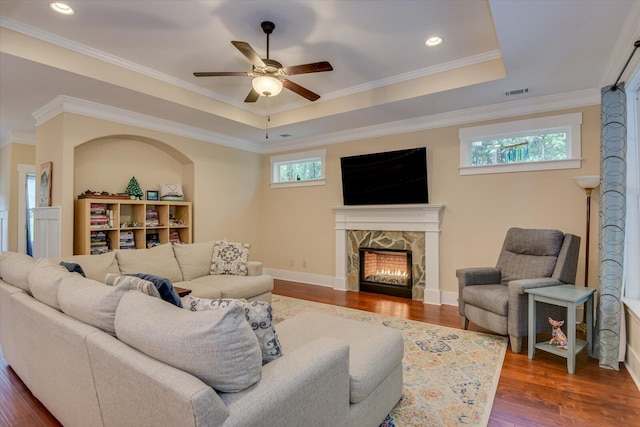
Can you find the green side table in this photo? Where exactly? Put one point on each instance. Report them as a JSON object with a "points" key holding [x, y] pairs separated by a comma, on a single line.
{"points": [[564, 296]]}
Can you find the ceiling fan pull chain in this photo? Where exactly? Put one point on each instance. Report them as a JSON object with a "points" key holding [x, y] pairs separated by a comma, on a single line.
{"points": [[268, 119]]}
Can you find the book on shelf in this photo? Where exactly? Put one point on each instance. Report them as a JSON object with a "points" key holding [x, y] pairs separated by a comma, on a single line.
{"points": [[127, 240], [152, 218], [100, 216], [99, 243], [174, 237]]}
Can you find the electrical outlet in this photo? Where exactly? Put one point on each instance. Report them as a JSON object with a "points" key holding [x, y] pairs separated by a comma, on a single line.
{"points": [[304, 264], [291, 263]]}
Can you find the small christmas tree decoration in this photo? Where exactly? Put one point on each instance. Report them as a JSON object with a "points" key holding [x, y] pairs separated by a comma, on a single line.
{"points": [[133, 189]]}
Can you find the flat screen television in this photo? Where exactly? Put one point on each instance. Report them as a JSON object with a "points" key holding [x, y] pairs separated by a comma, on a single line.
{"points": [[390, 178]]}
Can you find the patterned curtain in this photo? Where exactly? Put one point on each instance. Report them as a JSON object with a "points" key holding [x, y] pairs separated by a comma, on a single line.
{"points": [[613, 174]]}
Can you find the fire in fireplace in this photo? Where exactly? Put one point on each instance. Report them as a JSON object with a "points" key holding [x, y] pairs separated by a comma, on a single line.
{"points": [[386, 271]]}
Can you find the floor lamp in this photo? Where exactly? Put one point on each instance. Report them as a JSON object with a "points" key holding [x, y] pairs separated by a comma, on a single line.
{"points": [[588, 183]]}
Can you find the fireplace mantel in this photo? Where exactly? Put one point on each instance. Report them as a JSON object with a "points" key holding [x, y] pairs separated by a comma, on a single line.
{"points": [[415, 217]]}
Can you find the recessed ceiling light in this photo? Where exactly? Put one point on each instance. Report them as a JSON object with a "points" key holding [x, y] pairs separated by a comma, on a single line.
{"points": [[433, 41], [62, 8]]}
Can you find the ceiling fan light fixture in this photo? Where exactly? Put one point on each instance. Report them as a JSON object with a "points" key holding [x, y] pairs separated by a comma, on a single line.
{"points": [[61, 8], [267, 85], [433, 41]]}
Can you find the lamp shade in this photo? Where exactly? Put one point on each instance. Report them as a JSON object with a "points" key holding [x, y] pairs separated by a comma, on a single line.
{"points": [[587, 181], [267, 85]]}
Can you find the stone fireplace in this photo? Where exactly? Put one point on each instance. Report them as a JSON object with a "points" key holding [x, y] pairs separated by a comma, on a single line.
{"points": [[390, 228]]}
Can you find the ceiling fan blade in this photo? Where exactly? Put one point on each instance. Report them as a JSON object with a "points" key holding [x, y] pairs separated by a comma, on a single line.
{"points": [[294, 87], [316, 67], [252, 97], [222, 73], [249, 53]]}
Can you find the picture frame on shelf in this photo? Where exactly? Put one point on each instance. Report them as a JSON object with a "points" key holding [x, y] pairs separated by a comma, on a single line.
{"points": [[45, 184], [152, 195]]}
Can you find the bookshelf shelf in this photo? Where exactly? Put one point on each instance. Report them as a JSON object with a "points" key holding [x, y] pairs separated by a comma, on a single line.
{"points": [[103, 225]]}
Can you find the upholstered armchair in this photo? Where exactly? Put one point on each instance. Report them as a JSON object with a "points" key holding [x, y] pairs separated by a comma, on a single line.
{"points": [[494, 298]]}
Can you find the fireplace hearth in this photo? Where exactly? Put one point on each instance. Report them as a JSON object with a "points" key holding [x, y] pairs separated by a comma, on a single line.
{"points": [[386, 271]]}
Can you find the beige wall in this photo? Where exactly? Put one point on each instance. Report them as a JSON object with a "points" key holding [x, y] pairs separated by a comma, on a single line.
{"points": [[233, 199], [11, 156], [222, 182], [299, 222]]}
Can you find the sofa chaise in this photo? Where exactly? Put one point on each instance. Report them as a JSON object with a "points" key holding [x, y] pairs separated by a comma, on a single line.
{"points": [[82, 347]]}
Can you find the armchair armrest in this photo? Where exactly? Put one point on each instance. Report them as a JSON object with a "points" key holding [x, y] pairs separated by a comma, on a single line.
{"points": [[254, 268], [478, 276], [517, 287]]}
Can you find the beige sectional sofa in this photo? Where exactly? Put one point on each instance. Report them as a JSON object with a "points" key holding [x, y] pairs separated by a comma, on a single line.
{"points": [[187, 266], [83, 347]]}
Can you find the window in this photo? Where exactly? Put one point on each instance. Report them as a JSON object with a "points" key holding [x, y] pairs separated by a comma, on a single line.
{"points": [[523, 145], [298, 169]]}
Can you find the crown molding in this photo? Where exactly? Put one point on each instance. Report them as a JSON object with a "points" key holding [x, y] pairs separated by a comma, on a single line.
{"points": [[471, 115], [62, 104], [416, 74], [113, 59], [10, 137], [629, 33], [67, 104]]}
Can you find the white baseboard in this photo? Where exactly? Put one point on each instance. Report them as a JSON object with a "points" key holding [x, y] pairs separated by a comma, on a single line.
{"points": [[444, 297], [298, 276], [632, 363]]}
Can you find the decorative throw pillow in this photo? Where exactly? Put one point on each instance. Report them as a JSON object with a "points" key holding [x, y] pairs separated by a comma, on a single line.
{"points": [[258, 314], [216, 346], [163, 285], [144, 286], [15, 269], [171, 192], [230, 258], [44, 282]]}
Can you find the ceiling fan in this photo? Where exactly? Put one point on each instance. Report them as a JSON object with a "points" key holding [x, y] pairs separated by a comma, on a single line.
{"points": [[269, 75]]}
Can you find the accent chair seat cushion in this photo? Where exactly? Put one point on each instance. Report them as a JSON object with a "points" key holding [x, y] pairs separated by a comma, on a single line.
{"points": [[494, 298]]}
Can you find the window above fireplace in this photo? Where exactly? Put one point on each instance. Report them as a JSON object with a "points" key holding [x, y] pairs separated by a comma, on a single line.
{"points": [[298, 169]]}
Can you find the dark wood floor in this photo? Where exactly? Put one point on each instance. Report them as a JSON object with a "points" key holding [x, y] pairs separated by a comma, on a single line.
{"points": [[536, 392]]}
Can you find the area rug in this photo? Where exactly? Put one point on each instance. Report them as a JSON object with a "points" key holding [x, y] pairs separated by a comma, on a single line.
{"points": [[450, 375]]}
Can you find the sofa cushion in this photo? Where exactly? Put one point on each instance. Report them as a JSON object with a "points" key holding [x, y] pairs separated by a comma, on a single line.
{"points": [[194, 259], [164, 287], [230, 258], [95, 267], [90, 301], [258, 314], [231, 286], [159, 260], [44, 282], [375, 351], [15, 269], [217, 346], [144, 286]]}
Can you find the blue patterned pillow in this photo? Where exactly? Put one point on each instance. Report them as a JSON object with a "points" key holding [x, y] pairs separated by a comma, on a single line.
{"points": [[257, 313], [163, 285]]}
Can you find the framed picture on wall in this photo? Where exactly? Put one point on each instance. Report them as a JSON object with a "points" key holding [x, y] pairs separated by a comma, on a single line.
{"points": [[45, 184], [152, 195]]}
